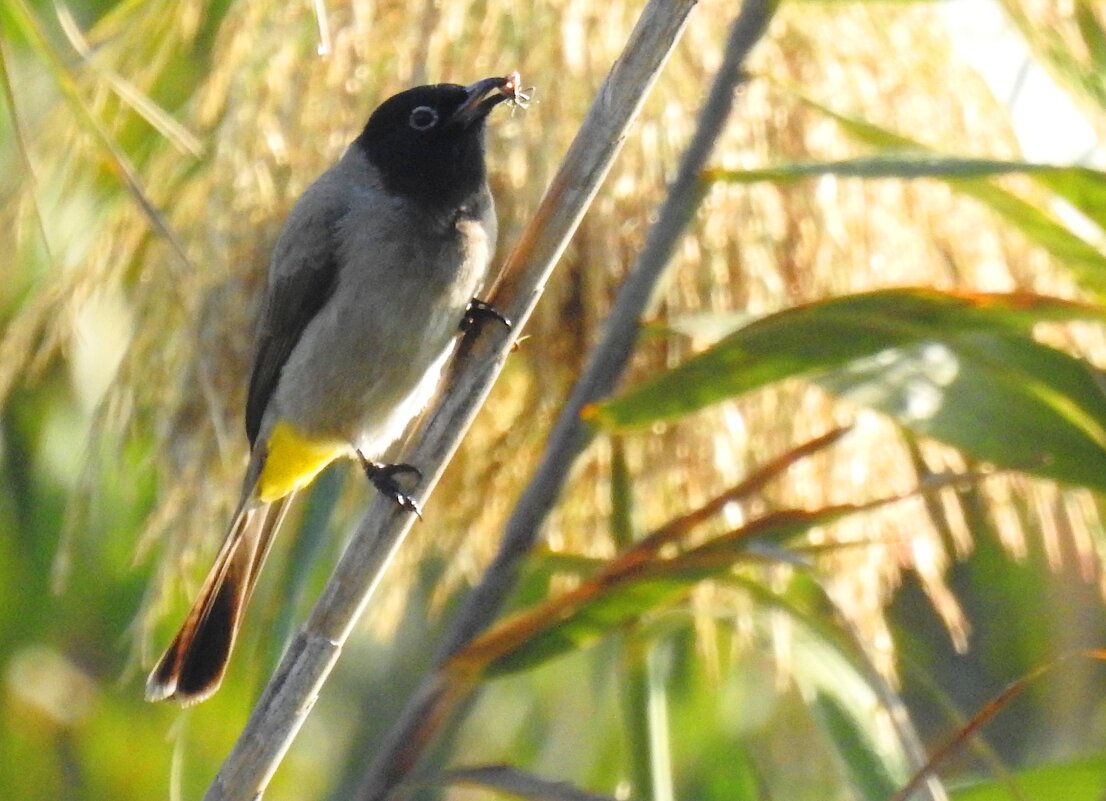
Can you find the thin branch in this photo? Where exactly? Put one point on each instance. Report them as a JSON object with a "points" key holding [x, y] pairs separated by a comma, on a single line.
{"points": [[434, 700], [292, 691]]}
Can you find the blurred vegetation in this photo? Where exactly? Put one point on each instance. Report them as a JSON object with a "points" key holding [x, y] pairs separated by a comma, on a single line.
{"points": [[871, 252]]}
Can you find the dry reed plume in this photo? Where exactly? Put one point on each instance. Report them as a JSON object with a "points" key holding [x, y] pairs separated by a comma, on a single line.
{"points": [[272, 111]]}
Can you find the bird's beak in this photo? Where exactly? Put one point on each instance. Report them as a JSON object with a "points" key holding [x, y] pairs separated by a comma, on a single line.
{"points": [[481, 98]]}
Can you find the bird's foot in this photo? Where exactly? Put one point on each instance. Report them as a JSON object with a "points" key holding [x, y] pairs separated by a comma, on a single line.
{"points": [[479, 311], [383, 477]]}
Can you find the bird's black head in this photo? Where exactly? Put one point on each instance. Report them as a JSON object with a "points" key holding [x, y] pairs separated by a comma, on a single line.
{"points": [[428, 142]]}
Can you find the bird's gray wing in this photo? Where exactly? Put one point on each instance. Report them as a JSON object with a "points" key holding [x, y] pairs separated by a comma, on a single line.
{"points": [[301, 280]]}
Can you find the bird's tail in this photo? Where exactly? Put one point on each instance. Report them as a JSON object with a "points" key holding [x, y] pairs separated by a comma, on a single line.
{"points": [[193, 666]]}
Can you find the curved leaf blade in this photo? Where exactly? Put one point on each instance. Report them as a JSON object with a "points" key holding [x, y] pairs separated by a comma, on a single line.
{"points": [[1010, 401], [961, 368], [1083, 188], [623, 592]]}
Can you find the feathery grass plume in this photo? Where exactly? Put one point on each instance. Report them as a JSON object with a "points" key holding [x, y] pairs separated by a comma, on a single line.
{"points": [[271, 113]]}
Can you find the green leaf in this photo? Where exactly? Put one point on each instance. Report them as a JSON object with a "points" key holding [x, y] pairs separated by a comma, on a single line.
{"points": [[914, 164], [848, 693], [1085, 263], [1083, 188], [585, 625], [960, 368], [633, 697], [870, 776], [1073, 781], [1008, 400], [1094, 38], [626, 591], [791, 343]]}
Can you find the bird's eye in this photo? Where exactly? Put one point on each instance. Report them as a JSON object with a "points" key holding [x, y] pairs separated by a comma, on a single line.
{"points": [[423, 118]]}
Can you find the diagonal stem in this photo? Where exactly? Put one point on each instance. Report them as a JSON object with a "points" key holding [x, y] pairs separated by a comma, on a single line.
{"points": [[436, 698], [290, 694], [610, 357]]}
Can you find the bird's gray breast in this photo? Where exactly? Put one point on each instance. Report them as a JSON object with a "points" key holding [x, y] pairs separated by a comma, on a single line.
{"points": [[371, 359]]}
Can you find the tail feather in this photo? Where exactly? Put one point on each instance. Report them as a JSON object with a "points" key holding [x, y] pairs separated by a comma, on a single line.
{"points": [[193, 666]]}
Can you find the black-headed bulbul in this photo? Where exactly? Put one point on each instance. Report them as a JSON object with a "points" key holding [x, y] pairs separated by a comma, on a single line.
{"points": [[369, 281]]}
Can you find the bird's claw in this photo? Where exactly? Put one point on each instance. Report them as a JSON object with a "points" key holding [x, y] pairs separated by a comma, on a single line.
{"points": [[478, 311], [383, 477]]}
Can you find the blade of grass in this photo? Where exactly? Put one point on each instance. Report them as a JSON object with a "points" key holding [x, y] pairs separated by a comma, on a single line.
{"points": [[633, 651], [810, 606], [990, 759], [867, 771], [161, 120], [817, 337], [644, 699], [633, 692], [117, 161], [660, 746], [936, 362], [913, 165], [1071, 781], [621, 525], [1084, 189], [24, 151], [984, 716]]}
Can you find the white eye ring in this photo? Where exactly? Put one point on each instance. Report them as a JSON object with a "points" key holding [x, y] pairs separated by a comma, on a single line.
{"points": [[423, 118]]}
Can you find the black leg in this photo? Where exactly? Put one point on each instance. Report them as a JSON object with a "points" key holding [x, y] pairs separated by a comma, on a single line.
{"points": [[383, 477], [477, 312]]}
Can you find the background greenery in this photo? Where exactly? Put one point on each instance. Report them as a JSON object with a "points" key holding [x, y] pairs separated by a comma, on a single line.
{"points": [[872, 250]]}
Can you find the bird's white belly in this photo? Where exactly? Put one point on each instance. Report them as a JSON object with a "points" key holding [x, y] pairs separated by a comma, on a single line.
{"points": [[368, 364]]}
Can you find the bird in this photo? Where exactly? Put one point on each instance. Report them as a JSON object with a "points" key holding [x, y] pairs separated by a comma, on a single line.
{"points": [[376, 269]]}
